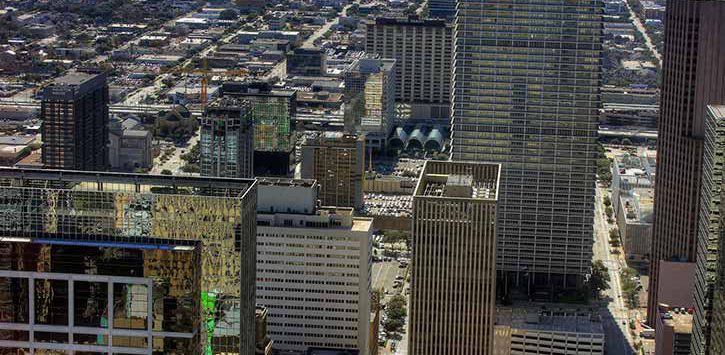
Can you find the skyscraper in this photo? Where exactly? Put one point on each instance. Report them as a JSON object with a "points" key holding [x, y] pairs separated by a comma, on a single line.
{"points": [[74, 111], [227, 139], [526, 94], [370, 99], [442, 8], [423, 53], [273, 112], [313, 264], [335, 160], [162, 263], [453, 280], [691, 80], [707, 279]]}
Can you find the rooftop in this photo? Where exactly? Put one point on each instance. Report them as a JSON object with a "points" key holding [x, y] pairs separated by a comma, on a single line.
{"points": [[126, 182], [74, 78], [471, 180], [681, 323], [550, 319], [276, 181]]}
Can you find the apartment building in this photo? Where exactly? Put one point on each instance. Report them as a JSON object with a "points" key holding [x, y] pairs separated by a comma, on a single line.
{"points": [[423, 53]]}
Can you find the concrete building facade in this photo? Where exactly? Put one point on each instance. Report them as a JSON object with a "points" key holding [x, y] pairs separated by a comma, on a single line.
{"points": [[453, 276], [370, 100], [526, 85], [313, 269], [423, 53], [529, 330], [74, 111], [694, 34]]}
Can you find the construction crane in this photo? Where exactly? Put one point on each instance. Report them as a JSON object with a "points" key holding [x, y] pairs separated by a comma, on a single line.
{"points": [[204, 73]]}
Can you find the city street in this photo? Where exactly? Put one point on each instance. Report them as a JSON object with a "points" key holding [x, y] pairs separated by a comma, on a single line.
{"points": [[615, 314], [640, 27]]}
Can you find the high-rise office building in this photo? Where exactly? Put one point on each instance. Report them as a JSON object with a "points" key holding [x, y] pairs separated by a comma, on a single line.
{"points": [[694, 48], [370, 99], [74, 111], [445, 9], [313, 269], [159, 263], [709, 232], [307, 62], [336, 161], [453, 279], [227, 139], [526, 94], [423, 53], [272, 112]]}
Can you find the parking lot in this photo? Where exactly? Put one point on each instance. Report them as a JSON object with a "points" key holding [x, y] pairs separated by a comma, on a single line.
{"points": [[377, 204]]}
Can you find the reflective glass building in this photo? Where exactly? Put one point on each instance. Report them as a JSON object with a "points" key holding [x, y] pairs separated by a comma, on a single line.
{"points": [[126, 263], [526, 94]]}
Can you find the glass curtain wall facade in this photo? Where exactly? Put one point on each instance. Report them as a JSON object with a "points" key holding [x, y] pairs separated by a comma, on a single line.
{"points": [[708, 280], [526, 94], [63, 211]]}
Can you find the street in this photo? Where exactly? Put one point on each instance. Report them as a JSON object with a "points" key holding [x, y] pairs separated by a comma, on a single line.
{"points": [[280, 70], [640, 27], [615, 315]]}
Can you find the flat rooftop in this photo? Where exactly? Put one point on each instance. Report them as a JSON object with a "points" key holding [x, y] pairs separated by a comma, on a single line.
{"points": [[125, 182], [74, 78], [470, 180], [560, 320], [681, 323], [276, 181]]}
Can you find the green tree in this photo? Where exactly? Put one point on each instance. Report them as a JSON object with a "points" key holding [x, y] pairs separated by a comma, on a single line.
{"points": [[395, 312], [614, 237], [607, 201], [228, 14], [609, 211], [166, 172], [599, 281]]}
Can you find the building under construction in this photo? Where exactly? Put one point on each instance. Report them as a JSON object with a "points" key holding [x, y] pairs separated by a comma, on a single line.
{"points": [[227, 139], [272, 112]]}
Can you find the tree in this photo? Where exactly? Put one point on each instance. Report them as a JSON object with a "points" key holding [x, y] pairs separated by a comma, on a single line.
{"points": [[609, 211], [166, 172], [607, 201], [228, 14], [395, 315], [599, 281], [614, 237]]}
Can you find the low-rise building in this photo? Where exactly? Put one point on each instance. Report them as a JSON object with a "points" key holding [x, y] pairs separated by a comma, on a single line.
{"points": [[313, 269], [632, 202], [130, 145], [548, 330], [674, 331]]}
